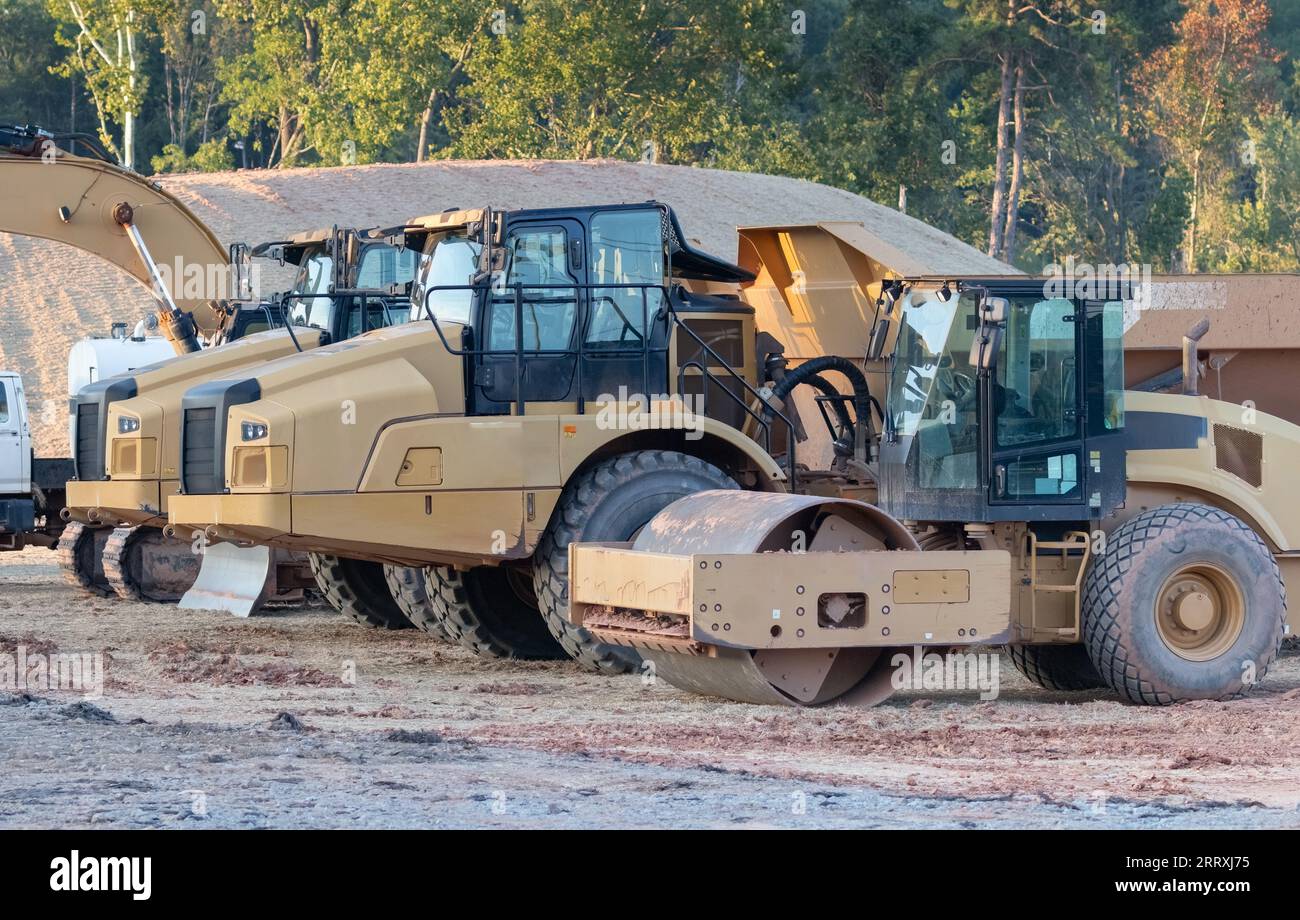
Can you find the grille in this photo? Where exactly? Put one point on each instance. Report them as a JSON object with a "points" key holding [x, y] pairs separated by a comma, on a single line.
{"points": [[89, 452], [1240, 453], [200, 471]]}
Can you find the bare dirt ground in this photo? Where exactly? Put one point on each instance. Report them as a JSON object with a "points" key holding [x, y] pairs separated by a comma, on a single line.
{"points": [[302, 719]]}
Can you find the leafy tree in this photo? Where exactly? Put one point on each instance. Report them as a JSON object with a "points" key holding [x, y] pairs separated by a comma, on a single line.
{"points": [[104, 38], [1200, 91], [667, 80], [29, 91]]}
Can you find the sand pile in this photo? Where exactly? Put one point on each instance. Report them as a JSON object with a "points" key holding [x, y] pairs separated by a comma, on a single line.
{"points": [[51, 295]]}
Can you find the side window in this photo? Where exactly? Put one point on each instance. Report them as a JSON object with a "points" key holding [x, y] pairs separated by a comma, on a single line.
{"points": [[627, 248], [1105, 377], [1035, 395], [4, 402], [448, 260], [1056, 476], [538, 261]]}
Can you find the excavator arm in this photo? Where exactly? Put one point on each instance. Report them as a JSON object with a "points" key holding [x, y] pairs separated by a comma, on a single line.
{"points": [[92, 203]]}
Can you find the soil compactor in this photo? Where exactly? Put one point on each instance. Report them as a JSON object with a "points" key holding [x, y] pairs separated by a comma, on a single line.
{"points": [[548, 403], [1136, 541]]}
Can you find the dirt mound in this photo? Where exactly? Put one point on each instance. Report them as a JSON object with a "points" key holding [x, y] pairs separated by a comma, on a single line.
{"points": [[53, 295]]}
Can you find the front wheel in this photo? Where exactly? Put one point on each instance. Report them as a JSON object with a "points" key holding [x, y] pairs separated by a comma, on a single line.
{"points": [[611, 501], [1186, 603]]}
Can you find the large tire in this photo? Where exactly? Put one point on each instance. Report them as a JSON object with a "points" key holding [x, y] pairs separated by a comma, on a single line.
{"points": [[143, 565], [407, 585], [81, 557], [1056, 667], [491, 611], [1186, 603], [610, 501], [356, 589]]}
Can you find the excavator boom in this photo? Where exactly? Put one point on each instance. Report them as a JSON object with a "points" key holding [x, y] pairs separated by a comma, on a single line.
{"points": [[94, 204]]}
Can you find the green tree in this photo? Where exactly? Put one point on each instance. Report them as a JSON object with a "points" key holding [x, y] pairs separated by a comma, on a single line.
{"points": [[663, 80], [105, 41]]}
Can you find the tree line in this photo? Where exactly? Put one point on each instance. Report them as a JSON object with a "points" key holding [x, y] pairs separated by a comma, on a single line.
{"points": [[1161, 132]]}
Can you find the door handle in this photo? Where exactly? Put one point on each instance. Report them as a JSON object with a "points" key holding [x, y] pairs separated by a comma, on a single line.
{"points": [[1000, 480]]}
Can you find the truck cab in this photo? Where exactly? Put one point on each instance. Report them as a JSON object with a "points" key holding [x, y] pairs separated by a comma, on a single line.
{"points": [[17, 509]]}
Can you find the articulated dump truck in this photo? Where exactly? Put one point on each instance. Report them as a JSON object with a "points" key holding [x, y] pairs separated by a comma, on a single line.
{"points": [[595, 449], [112, 542], [128, 444]]}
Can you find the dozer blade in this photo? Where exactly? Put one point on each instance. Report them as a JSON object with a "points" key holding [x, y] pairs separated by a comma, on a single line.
{"points": [[236, 579], [784, 599]]}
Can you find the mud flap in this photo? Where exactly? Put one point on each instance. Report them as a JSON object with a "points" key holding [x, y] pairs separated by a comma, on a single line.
{"points": [[236, 579]]}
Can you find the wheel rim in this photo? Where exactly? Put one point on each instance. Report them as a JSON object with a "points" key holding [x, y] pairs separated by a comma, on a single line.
{"points": [[1200, 612]]}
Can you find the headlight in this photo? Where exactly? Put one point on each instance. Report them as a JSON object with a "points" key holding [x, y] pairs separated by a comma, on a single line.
{"points": [[127, 424], [253, 431]]}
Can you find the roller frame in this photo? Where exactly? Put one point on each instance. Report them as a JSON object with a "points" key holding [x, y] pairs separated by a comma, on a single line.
{"points": [[737, 600]]}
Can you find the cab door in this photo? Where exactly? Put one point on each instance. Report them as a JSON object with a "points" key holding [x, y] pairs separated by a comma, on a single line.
{"points": [[1036, 414], [544, 269], [15, 451]]}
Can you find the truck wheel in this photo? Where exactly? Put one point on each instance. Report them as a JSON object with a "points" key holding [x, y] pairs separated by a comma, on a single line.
{"points": [[490, 610], [1056, 667], [141, 564], [356, 589], [1186, 603], [81, 557], [610, 502], [406, 584]]}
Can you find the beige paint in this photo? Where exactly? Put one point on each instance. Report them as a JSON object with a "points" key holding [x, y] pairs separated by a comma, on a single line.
{"points": [[32, 190], [770, 600]]}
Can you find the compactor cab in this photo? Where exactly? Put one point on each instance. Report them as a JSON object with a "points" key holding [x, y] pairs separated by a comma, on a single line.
{"points": [[1004, 404]]}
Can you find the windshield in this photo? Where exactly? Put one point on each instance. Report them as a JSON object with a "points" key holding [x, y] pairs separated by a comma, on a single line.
{"points": [[922, 340], [448, 259], [383, 266]]}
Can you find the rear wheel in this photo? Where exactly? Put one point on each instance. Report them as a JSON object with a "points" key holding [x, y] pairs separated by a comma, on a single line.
{"points": [[1056, 667], [81, 557], [611, 501], [356, 589], [407, 585], [143, 565], [1187, 603], [490, 610]]}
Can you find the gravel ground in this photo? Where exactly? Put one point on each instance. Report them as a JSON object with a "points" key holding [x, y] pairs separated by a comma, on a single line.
{"points": [[302, 719]]}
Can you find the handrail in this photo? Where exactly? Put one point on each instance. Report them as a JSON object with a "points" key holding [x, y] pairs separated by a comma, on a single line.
{"points": [[580, 353]]}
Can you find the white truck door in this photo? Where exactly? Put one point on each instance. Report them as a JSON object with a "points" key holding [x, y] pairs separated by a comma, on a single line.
{"points": [[15, 448]]}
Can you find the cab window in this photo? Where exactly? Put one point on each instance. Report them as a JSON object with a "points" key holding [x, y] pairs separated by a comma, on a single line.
{"points": [[538, 264], [449, 259], [383, 266], [314, 278], [1035, 396], [627, 248], [4, 401]]}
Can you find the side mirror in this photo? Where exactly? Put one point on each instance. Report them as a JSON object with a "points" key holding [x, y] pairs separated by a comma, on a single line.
{"points": [[988, 338], [994, 310]]}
